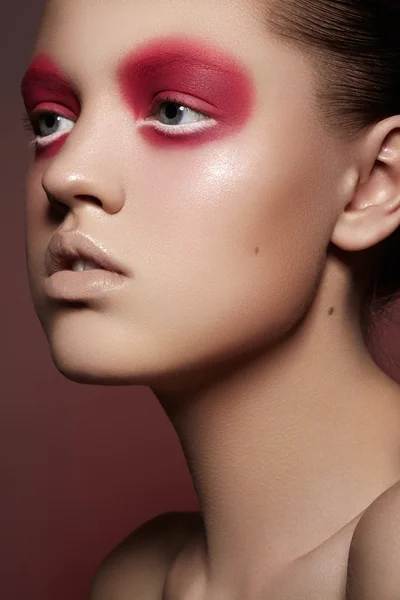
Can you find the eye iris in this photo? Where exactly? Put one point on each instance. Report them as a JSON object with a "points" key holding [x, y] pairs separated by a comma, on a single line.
{"points": [[49, 122], [172, 111]]}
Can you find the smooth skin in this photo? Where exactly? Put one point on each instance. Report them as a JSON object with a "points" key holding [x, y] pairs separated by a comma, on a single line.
{"points": [[240, 309]]}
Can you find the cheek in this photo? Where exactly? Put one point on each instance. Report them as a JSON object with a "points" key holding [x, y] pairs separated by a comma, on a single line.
{"points": [[235, 227], [196, 204], [229, 202]]}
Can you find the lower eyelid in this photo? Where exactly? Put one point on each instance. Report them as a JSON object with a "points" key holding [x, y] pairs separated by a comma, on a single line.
{"points": [[47, 140], [184, 132], [201, 123]]}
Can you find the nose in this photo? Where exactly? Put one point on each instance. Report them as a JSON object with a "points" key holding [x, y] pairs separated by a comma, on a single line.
{"points": [[86, 170]]}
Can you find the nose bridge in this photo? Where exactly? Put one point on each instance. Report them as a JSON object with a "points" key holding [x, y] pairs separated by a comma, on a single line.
{"points": [[88, 164]]}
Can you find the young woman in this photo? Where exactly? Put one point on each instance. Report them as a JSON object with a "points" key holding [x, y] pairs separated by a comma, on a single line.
{"points": [[213, 210]]}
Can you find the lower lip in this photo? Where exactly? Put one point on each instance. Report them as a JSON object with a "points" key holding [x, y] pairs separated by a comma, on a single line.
{"points": [[82, 285]]}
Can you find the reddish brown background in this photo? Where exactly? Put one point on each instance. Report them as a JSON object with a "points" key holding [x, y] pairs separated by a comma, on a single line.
{"points": [[81, 466]]}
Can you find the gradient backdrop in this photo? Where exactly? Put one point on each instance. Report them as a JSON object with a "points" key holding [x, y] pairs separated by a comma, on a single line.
{"points": [[81, 466]]}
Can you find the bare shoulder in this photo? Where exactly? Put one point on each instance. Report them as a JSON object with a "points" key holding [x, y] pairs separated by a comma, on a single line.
{"points": [[137, 568], [374, 558]]}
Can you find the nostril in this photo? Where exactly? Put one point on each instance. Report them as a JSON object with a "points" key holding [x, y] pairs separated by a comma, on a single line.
{"points": [[88, 198], [57, 206], [57, 213]]}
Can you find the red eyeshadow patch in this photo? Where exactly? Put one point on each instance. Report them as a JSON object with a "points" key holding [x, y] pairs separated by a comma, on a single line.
{"points": [[44, 82], [43, 85], [52, 149], [195, 69]]}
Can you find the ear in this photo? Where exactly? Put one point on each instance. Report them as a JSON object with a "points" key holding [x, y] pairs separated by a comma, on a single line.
{"points": [[373, 212]]}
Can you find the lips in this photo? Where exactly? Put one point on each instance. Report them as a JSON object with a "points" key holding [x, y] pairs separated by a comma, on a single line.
{"points": [[66, 247]]}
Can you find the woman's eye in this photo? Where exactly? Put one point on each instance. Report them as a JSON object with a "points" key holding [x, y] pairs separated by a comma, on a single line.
{"points": [[47, 124], [51, 123], [172, 117], [172, 113]]}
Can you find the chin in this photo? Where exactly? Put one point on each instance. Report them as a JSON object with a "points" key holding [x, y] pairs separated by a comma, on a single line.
{"points": [[91, 371], [94, 364], [93, 361], [87, 374], [109, 356], [104, 348], [96, 351]]}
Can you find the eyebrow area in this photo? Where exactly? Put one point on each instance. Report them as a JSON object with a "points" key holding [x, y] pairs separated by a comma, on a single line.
{"points": [[191, 67], [45, 82]]}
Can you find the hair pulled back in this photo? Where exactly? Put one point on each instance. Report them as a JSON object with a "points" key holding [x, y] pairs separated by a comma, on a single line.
{"points": [[355, 45]]}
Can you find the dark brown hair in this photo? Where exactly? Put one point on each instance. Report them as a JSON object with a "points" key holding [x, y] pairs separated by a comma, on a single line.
{"points": [[355, 46]]}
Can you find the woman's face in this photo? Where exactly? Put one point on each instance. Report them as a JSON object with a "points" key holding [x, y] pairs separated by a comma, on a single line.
{"points": [[189, 149]]}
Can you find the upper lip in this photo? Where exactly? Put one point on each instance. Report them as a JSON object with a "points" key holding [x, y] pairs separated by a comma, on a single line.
{"points": [[66, 247]]}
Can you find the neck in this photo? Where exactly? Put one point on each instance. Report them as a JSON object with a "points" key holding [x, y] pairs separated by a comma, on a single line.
{"points": [[289, 446]]}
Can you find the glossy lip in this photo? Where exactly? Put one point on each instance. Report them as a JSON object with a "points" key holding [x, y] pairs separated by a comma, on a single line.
{"points": [[65, 247], [82, 285]]}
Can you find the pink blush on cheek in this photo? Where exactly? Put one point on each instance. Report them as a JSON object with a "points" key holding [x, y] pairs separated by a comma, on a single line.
{"points": [[194, 69]]}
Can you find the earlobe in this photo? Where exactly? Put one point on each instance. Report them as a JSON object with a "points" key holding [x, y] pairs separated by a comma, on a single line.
{"points": [[373, 213]]}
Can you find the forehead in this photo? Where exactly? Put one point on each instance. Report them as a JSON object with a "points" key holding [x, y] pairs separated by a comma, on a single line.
{"points": [[103, 31]]}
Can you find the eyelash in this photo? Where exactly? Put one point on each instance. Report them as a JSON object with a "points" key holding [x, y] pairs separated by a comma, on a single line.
{"points": [[28, 124], [31, 123]]}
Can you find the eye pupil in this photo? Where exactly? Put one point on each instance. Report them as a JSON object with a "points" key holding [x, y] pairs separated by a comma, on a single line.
{"points": [[47, 124], [172, 113], [50, 121], [172, 110]]}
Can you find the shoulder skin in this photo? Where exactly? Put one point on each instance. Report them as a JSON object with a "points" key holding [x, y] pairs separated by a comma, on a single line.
{"points": [[374, 559], [137, 568]]}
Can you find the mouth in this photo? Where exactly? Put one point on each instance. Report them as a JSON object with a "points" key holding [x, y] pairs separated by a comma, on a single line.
{"points": [[79, 268], [78, 265], [76, 251]]}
